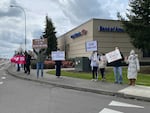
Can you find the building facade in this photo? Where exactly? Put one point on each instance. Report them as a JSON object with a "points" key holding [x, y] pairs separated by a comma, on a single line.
{"points": [[107, 33]]}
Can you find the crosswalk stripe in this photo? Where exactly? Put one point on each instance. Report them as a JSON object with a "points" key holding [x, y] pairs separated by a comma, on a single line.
{"points": [[106, 110], [3, 78], [1, 83], [121, 104]]}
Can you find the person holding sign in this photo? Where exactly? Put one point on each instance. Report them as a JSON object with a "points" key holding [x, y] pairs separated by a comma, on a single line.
{"points": [[41, 55], [117, 68], [94, 65], [58, 64]]}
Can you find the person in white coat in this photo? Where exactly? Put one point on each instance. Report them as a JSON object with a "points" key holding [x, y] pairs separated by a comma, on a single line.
{"points": [[133, 67], [94, 65]]}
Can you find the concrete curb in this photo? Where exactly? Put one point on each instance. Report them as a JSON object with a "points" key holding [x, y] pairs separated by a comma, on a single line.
{"points": [[67, 86]]}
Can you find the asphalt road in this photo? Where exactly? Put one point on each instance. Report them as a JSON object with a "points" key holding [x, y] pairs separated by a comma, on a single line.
{"points": [[21, 96]]}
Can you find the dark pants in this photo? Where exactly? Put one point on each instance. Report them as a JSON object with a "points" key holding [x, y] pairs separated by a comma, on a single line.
{"points": [[28, 68], [58, 70], [18, 67], [102, 70], [94, 72], [25, 68]]}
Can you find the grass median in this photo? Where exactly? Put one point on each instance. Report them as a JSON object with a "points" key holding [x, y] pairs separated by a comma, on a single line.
{"points": [[142, 79]]}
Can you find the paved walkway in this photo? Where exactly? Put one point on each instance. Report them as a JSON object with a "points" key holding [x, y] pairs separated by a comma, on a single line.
{"points": [[133, 92]]}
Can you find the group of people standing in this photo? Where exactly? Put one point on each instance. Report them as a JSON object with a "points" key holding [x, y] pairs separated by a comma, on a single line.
{"points": [[40, 58], [23, 60], [99, 63]]}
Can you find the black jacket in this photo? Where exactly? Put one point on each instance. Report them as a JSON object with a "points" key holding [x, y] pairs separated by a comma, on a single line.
{"points": [[118, 63]]}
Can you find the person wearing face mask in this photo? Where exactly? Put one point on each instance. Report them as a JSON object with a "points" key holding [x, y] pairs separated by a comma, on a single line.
{"points": [[94, 58], [133, 67]]}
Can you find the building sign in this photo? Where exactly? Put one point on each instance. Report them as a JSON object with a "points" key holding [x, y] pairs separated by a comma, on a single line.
{"points": [[91, 46], [58, 55], [110, 29], [113, 56], [39, 43], [78, 34]]}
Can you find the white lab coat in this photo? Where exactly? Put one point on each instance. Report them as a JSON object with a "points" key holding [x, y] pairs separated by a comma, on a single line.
{"points": [[94, 60], [133, 66]]}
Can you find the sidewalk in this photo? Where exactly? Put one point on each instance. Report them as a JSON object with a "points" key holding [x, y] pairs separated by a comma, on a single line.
{"points": [[99, 87]]}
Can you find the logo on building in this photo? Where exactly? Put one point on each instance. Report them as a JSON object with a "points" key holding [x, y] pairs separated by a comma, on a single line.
{"points": [[110, 29], [78, 34]]}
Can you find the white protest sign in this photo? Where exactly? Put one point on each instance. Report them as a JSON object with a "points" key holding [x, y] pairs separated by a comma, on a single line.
{"points": [[91, 46], [58, 55], [113, 56]]}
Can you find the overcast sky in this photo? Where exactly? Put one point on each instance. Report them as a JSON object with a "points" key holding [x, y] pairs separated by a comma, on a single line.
{"points": [[65, 15]]}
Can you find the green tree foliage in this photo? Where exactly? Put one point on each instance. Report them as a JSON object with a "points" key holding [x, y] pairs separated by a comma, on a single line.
{"points": [[50, 34], [138, 23]]}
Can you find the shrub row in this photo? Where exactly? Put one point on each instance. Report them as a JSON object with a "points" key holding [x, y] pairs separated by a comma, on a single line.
{"points": [[49, 64]]}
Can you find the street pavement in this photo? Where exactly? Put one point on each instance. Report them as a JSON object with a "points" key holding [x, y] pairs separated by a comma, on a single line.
{"points": [[137, 92]]}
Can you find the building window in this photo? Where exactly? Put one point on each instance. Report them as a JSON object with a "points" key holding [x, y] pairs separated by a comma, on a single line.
{"points": [[146, 53]]}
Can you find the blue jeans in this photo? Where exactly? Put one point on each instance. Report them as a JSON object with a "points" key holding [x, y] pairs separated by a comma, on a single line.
{"points": [[118, 74], [39, 65]]}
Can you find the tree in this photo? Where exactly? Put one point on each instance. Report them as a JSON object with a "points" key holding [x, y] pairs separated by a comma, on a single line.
{"points": [[137, 24], [49, 33]]}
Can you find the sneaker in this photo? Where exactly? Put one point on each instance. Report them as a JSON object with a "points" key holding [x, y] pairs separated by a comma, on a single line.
{"points": [[58, 76], [115, 82], [103, 79], [120, 83], [96, 80], [92, 79]]}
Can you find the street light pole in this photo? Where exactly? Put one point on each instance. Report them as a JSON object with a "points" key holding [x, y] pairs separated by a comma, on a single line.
{"points": [[24, 23]]}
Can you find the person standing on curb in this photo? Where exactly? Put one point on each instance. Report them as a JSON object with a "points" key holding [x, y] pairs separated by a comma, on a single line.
{"points": [[102, 65], [17, 63], [94, 65], [58, 64], [118, 69], [133, 67], [28, 62], [41, 55]]}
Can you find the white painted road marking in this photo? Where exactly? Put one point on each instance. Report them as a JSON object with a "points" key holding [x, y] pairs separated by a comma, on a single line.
{"points": [[106, 110], [3, 78], [1, 83], [137, 90], [121, 104]]}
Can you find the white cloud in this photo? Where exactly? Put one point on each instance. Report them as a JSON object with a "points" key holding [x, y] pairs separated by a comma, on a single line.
{"points": [[65, 15]]}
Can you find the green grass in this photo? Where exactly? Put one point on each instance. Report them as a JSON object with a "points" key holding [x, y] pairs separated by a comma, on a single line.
{"points": [[142, 79]]}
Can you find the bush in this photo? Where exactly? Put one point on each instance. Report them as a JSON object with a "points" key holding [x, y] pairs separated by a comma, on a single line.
{"points": [[49, 64], [67, 64]]}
